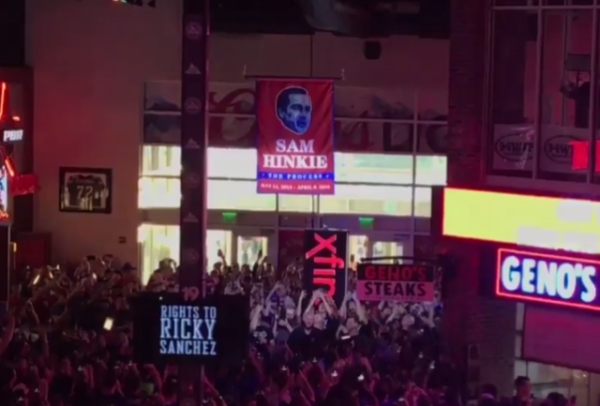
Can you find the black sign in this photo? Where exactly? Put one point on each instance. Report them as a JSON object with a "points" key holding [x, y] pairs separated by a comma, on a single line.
{"points": [[325, 262], [166, 327], [85, 190]]}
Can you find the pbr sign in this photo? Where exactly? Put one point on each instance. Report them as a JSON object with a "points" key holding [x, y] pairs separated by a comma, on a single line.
{"points": [[295, 136], [548, 279], [325, 262], [398, 283], [203, 330]]}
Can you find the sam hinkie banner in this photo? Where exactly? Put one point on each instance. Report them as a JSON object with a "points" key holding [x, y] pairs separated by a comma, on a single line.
{"points": [[295, 136], [325, 262], [398, 283]]}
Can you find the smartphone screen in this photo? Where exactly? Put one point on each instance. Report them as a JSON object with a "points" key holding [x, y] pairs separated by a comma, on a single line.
{"points": [[108, 323]]}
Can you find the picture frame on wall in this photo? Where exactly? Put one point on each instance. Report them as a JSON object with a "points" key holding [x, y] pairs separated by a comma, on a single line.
{"points": [[85, 190]]}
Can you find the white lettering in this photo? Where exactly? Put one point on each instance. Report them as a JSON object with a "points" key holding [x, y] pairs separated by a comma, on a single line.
{"points": [[511, 277], [295, 147], [186, 330], [12, 135], [294, 161], [560, 279]]}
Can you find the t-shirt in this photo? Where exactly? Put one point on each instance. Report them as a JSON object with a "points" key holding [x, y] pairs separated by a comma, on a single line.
{"points": [[87, 188]]}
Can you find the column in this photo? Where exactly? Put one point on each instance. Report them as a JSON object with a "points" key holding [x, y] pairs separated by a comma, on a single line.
{"points": [[470, 319], [194, 146]]}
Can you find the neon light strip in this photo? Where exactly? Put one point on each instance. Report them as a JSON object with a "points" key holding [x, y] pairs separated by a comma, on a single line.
{"points": [[2, 98], [527, 298]]}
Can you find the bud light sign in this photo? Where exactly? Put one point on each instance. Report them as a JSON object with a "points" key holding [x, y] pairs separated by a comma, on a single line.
{"points": [[547, 279]]}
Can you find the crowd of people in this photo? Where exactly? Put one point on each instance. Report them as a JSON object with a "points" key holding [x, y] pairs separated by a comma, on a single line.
{"points": [[67, 333]]}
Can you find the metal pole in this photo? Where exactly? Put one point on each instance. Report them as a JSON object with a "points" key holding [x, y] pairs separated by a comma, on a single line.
{"points": [[194, 147]]}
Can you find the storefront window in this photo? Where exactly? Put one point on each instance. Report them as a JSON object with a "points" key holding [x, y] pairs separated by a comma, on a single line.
{"points": [[546, 379], [431, 170], [296, 203], [238, 195], [162, 241], [373, 168], [159, 193], [368, 199]]}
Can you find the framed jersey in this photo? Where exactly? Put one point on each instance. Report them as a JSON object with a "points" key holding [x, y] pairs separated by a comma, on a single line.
{"points": [[85, 190]]}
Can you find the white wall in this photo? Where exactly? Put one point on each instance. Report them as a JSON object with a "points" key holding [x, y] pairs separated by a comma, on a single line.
{"points": [[91, 59]]}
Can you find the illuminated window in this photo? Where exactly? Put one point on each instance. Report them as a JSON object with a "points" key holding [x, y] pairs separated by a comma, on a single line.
{"points": [[161, 161], [238, 195], [431, 170], [373, 168], [159, 193], [295, 203], [235, 163], [368, 199], [423, 202], [159, 242]]}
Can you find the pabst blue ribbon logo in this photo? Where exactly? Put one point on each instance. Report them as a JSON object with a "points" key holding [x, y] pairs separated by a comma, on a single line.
{"points": [[192, 105], [193, 31]]}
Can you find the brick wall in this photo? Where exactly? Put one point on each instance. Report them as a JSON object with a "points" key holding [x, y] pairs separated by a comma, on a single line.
{"points": [[471, 319]]}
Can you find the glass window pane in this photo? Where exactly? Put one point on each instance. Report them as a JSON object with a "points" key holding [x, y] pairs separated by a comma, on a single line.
{"points": [[238, 195], [295, 203], [423, 202], [566, 67], [518, 345], [368, 199], [550, 378], [161, 160], [159, 193], [431, 170], [373, 168], [513, 91], [233, 163], [158, 242], [520, 368]]}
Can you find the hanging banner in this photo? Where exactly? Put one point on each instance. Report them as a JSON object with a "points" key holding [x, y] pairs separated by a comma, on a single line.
{"points": [[325, 262], [397, 283], [295, 136]]}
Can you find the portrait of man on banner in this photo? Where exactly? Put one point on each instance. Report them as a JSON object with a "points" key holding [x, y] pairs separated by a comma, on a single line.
{"points": [[294, 109], [295, 136]]}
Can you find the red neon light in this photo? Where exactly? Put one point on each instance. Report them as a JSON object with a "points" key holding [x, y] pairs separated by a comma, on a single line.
{"points": [[542, 300], [581, 150], [2, 98]]}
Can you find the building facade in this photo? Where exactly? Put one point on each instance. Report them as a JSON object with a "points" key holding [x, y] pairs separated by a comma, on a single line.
{"points": [[522, 115], [117, 109]]}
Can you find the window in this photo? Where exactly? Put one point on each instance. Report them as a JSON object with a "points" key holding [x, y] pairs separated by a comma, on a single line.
{"points": [[296, 203], [423, 202], [233, 163], [238, 195], [373, 168], [159, 193], [431, 170], [159, 242], [161, 161], [368, 199], [236, 163]]}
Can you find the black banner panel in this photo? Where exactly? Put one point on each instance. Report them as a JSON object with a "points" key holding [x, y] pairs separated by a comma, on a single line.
{"points": [[168, 328]]}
